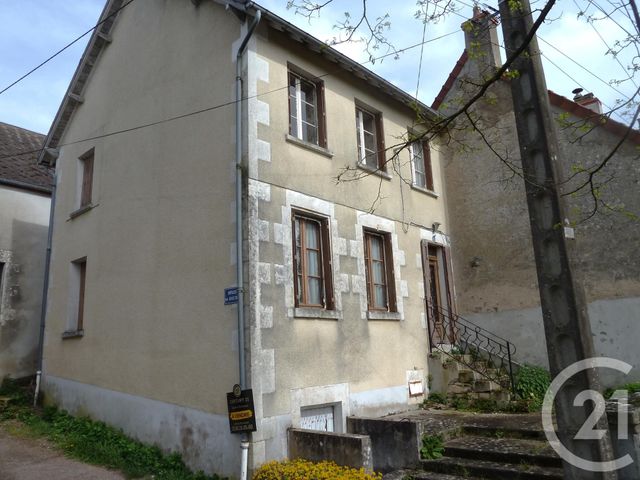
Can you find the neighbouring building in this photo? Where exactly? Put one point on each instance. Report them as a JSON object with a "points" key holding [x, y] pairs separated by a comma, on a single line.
{"points": [[25, 193], [137, 333], [494, 268]]}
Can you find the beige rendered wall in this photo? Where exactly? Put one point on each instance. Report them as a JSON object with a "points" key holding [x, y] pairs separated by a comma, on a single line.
{"points": [[24, 220], [159, 346], [364, 365]]}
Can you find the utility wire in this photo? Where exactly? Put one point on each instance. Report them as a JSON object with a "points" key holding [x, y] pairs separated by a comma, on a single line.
{"points": [[584, 68], [609, 49], [215, 107], [64, 48]]}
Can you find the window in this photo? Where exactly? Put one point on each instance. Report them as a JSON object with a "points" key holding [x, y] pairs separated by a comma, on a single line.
{"points": [[421, 165], [2, 265], [306, 110], [381, 292], [371, 152], [86, 178], [77, 295], [312, 261]]}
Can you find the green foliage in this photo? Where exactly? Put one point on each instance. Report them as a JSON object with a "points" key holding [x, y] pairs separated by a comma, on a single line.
{"points": [[629, 387], [432, 447], [532, 383], [300, 469], [436, 397], [94, 442]]}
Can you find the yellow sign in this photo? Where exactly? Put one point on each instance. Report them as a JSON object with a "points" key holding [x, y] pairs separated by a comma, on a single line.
{"points": [[241, 415]]}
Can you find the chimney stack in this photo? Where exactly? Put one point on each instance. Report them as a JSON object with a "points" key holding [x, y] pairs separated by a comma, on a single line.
{"points": [[588, 100], [481, 40]]}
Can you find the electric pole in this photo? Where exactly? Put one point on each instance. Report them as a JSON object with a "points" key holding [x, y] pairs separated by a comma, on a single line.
{"points": [[566, 323]]}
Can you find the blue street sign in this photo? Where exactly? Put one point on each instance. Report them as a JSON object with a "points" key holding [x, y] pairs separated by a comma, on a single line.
{"points": [[230, 295]]}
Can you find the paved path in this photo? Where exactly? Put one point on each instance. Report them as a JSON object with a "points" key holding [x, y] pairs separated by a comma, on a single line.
{"points": [[36, 459]]}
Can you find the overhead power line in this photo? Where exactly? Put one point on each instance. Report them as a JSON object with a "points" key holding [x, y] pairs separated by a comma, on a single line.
{"points": [[215, 107], [64, 48]]}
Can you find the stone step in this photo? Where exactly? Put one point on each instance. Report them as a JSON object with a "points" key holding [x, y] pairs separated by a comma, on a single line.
{"points": [[467, 467], [486, 386], [504, 450], [422, 475], [504, 431]]}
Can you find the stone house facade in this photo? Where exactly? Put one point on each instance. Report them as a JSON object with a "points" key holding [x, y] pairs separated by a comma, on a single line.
{"points": [[495, 273], [25, 192], [144, 245]]}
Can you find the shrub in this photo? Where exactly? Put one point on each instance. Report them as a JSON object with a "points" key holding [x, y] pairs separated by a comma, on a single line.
{"points": [[532, 384], [432, 447], [306, 470]]}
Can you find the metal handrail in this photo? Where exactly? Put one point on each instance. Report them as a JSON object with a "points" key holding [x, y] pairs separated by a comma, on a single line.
{"points": [[458, 337]]}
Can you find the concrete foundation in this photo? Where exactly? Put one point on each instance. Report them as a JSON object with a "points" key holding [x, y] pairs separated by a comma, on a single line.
{"points": [[345, 449], [394, 445], [202, 438]]}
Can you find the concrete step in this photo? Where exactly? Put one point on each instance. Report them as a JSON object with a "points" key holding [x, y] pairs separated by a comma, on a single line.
{"points": [[422, 475], [504, 450], [467, 467], [504, 431], [481, 386]]}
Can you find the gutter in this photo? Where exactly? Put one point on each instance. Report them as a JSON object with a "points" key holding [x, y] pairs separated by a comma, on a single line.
{"points": [[45, 292], [26, 186], [244, 442]]}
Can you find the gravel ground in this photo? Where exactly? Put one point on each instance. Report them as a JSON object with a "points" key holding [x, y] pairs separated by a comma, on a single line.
{"points": [[23, 458]]}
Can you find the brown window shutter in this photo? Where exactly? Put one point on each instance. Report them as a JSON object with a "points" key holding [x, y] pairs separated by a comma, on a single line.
{"points": [[327, 265], [426, 154], [391, 281], [322, 117], [382, 154], [87, 180], [83, 275]]}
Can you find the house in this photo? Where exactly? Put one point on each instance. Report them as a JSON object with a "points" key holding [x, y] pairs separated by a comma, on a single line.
{"points": [[496, 282], [25, 192], [144, 233]]}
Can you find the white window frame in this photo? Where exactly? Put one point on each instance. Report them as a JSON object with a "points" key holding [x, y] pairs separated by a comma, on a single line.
{"points": [[361, 143], [298, 114], [418, 145]]}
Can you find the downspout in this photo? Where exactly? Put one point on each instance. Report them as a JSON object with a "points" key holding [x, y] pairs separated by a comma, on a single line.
{"points": [[45, 292], [244, 442]]}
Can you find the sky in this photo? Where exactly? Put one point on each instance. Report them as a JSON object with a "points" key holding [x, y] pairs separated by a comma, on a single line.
{"points": [[574, 49]]}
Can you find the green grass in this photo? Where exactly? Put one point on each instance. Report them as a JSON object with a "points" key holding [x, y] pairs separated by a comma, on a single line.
{"points": [[92, 442]]}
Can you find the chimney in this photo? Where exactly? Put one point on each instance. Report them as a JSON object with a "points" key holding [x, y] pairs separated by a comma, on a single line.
{"points": [[481, 39], [588, 100]]}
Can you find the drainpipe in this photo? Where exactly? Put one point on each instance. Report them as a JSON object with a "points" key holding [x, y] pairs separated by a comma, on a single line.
{"points": [[244, 442], [45, 291]]}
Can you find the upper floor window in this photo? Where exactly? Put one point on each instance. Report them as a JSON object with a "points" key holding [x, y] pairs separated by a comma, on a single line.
{"points": [[312, 261], [421, 165], [306, 109], [85, 178], [378, 259], [371, 152], [76, 296]]}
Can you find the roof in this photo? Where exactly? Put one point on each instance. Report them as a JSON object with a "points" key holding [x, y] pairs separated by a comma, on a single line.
{"points": [[22, 170], [604, 122], [321, 48], [102, 37]]}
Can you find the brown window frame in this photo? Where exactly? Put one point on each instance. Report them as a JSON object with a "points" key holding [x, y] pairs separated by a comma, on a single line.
{"points": [[81, 265], [381, 158], [423, 146], [87, 161], [387, 261], [301, 298], [294, 72]]}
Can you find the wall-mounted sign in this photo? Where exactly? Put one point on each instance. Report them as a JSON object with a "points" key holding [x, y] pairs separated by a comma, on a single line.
{"points": [[230, 295], [242, 416]]}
